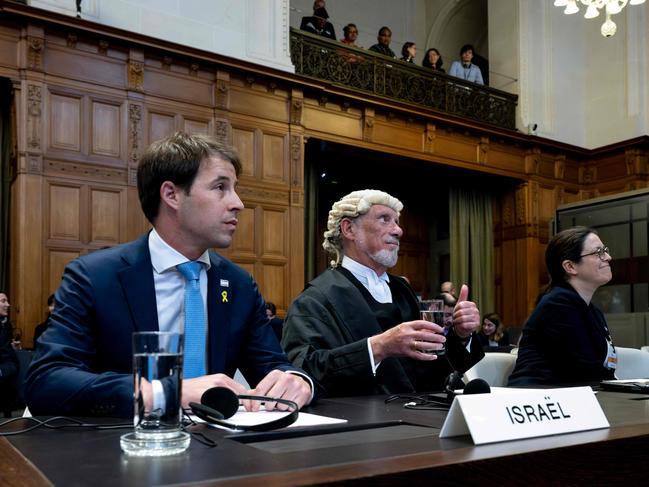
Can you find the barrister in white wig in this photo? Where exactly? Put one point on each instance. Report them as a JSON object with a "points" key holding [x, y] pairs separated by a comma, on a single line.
{"points": [[356, 328]]}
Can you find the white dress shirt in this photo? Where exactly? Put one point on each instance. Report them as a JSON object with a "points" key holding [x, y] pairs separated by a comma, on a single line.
{"points": [[377, 287], [169, 286]]}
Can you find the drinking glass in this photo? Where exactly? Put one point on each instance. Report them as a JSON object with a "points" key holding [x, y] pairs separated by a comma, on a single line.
{"points": [[433, 310], [157, 357]]}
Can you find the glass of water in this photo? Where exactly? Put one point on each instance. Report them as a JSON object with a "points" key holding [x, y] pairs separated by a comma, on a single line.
{"points": [[157, 367], [433, 310]]}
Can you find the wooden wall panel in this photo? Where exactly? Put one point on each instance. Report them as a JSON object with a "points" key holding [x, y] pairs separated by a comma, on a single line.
{"points": [[57, 259], [8, 43], [188, 89], [456, 147], [106, 216], [249, 101], [273, 277], [244, 141], [274, 157], [65, 122], [507, 158], [197, 127], [403, 137], [320, 121], [243, 242], [106, 129], [160, 125], [65, 212], [275, 225], [84, 66]]}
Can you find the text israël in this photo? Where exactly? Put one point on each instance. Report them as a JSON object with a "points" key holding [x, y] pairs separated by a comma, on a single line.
{"points": [[528, 413]]}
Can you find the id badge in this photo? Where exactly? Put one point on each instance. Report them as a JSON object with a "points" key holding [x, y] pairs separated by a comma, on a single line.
{"points": [[611, 356]]}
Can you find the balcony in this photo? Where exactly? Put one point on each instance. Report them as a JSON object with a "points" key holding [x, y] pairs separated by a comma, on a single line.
{"points": [[369, 72]]}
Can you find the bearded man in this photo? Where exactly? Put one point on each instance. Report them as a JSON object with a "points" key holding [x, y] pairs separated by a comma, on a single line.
{"points": [[356, 328]]}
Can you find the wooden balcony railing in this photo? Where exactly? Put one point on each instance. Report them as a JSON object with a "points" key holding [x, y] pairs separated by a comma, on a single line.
{"points": [[366, 71]]}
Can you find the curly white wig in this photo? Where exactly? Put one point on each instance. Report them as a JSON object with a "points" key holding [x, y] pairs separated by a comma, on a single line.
{"points": [[351, 206]]}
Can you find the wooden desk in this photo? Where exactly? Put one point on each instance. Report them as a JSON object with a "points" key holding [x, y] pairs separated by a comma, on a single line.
{"points": [[408, 450]]}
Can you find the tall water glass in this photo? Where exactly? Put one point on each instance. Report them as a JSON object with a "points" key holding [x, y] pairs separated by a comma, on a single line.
{"points": [[433, 310], [157, 368]]}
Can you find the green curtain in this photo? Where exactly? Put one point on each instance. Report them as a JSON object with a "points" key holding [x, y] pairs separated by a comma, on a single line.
{"points": [[6, 174], [471, 245]]}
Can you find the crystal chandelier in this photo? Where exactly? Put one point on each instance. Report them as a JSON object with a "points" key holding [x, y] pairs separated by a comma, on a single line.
{"points": [[593, 7]]}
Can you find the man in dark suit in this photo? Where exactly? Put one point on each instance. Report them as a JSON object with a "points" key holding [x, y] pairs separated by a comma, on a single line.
{"points": [[83, 364]]}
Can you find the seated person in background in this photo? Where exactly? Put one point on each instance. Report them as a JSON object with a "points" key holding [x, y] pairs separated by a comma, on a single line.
{"points": [[276, 323], [433, 60], [566, 339], [38, 331], [383, 46], [465, 69], [8, 359], [447, 291], [408, 52], [83, 364], [356, 328], [493, 333], [318, 23]]}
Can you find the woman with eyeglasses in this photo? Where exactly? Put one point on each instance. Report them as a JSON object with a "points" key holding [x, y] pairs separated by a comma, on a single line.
{"points": [[566, 339]]}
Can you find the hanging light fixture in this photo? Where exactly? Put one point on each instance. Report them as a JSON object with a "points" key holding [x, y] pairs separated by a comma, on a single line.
{"points": [[611, 7]]}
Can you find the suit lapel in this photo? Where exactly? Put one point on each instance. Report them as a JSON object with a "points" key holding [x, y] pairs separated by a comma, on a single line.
{"points": [[137, 283], [219, 290]]}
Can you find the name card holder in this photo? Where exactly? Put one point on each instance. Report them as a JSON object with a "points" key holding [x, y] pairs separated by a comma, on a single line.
{"points": [[514, 414]]}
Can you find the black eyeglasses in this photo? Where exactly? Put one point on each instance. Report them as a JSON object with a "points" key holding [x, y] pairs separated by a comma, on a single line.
{"points": [[601, 252]]}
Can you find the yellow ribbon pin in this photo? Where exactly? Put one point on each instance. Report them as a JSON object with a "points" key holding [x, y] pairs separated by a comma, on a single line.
{"points": [[224, 297]]}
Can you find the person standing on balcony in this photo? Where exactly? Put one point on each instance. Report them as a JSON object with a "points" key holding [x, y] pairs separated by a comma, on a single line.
{"points": [[317, 23], [383, 46], [465, 69]]}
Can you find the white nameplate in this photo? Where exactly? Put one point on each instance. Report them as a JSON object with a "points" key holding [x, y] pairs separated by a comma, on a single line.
{"points": [[523, 413]]}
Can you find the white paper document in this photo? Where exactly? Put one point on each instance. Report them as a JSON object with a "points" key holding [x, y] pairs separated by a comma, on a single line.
{"points": [[250, 418]]}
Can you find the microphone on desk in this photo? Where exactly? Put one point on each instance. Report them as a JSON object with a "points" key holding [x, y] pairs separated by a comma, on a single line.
{"points": [[220, 403], [454, 381]]}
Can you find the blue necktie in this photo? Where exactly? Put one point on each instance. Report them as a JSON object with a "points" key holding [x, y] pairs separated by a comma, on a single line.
{"points": [[195, 325]]}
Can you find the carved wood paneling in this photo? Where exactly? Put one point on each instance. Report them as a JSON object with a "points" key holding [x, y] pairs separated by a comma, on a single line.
{"points": [[297, 161], [275, 231], [274, 160], [65, 212], [197, 127], [135, 75], [106, 216], [34, 99], [106, 129], [160, 125], [134, 132], [244, 141], [35, 52], [79, 170], [274, 280], [57, 259], [65, 122], [243, 241]]}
